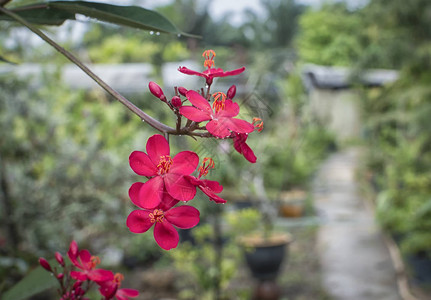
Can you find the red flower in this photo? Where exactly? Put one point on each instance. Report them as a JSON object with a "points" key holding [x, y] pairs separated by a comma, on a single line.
{"points": [[222, 119], [83, 260], [208, 187], [111, 289], [166, 172], [163, 217], [210, 73], [239, 143]]}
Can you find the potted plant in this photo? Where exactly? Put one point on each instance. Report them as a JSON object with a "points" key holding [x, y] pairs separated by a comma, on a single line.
{"points": [[265, 250]]}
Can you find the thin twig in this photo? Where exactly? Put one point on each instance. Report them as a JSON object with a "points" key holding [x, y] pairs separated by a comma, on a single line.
{"points": [[165, 129], [4, 2]]}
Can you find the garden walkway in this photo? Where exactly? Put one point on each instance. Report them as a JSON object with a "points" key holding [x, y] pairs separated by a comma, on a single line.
{"points": [[355, 262]]}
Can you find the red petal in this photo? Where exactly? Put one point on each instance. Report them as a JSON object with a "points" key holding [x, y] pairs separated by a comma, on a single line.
{"points": [[210, 193], [73, 250], [157, 146], [100, 275], [139, 221], [233, 72], [240, 145], [184, 163], [134, 192], [141, 164], [81, 276], [200, 102], [238, 125], [179, 188], [84, 257], [167, 202], [166, 235], [194, 114], [151, 193], [231, 109], [213, 72], [125, 294], [213, 185], [190, 72], [217, 128], [183, 216]]}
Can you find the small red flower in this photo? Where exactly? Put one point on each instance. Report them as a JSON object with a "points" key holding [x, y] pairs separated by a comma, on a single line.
{"points": [[111, 289], [221, 119], [83, 260], [210, 73], [208, 187], [240, 145], [163, 217], [166, 173]]}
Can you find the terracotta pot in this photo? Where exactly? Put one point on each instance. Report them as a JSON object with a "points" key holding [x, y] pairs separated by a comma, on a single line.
{"points": [[292, 203]]}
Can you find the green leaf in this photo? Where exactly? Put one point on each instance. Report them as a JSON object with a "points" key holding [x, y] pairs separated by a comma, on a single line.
{"points": [[38, 280], [132, 16], [2, 59], [40, 14], [56, 12]]}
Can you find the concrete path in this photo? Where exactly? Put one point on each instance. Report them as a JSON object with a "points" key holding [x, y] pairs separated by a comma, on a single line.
{"points": [[355, 262]]}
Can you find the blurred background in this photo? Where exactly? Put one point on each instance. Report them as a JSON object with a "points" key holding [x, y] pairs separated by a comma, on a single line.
{"points": [[324, 76]]}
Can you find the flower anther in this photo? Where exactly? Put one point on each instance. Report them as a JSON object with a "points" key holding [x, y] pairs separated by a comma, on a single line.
{"points": [[207, 164], [94, 261], [219, 101], [258, 124], [118, 278], [164, 164], [209, 58], [157, 216]]}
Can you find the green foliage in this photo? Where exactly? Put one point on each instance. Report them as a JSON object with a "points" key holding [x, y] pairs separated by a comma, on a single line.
{"points": [[197, 263], [63, 159], [330, 36], [38, 280], [397, 120], [56, 12]]}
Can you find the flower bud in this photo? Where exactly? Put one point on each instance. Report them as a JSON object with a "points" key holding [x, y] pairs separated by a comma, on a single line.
{"points": [[156, 90], [176, 101], [231, 92], [60, 276], [59, 258], [45, 264], [182, 91]]}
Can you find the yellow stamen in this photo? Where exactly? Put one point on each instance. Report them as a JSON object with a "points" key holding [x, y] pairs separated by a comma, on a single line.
{"points": [[164, 164], [118, 277], [209, 58], [258, 124], [218, 103], [94, 261], [207, 164], [157, 216]]}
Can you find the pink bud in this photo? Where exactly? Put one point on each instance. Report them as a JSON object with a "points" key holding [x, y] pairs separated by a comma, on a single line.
{"points": [[59, 258], [182, 91], [60, 276], [45, 264], [231, 92], [156, 90], [176, 101]]}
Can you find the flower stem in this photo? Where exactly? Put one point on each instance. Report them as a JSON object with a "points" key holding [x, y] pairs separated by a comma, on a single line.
{"points": [[151, 121], [165, 129]]}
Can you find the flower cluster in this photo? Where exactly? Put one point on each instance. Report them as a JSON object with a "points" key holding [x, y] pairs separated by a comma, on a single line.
{"points": [[170, 177], [76, 279]]}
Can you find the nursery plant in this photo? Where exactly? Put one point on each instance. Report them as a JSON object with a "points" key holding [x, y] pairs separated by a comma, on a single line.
{"points": [[169, 179]]}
